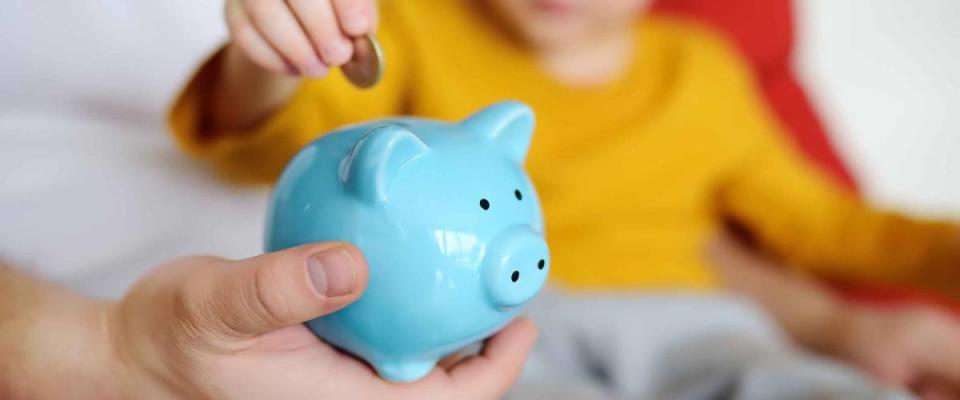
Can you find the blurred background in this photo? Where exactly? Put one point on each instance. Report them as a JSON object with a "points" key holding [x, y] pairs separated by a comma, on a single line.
{"points": [[93, 192], [884, 76]]}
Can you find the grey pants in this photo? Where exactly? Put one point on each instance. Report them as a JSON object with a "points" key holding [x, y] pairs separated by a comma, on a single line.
{"points": [[674, 346]]}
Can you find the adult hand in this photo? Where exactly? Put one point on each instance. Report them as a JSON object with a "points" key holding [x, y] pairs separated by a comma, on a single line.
{"points": [[205, 327]]}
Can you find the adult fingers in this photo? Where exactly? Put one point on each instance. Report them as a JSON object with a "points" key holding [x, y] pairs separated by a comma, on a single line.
{"points": [[491, 373], [275, 290]]}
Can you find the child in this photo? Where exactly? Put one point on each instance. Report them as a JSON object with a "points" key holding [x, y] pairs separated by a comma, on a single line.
{"points": [[650, 133]]}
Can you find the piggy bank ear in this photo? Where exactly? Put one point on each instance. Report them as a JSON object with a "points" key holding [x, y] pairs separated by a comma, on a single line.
{"points": [[370, 167], [508, 124]]}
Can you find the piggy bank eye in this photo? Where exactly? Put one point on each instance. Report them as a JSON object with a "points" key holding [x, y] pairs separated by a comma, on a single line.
{"points": [[518, 195], [484, 204]]}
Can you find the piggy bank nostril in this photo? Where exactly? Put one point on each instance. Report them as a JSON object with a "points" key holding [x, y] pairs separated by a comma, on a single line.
{"points": [[515, 267]]}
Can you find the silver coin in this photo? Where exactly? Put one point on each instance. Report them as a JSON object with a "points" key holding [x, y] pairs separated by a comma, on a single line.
{"points": [[365, 69]]}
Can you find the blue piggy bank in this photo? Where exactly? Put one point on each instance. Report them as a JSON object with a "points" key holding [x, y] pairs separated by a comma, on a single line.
{"points": [[448, 221]]}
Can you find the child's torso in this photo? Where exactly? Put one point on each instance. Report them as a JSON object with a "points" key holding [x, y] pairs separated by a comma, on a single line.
{"points": [[627, 172]]}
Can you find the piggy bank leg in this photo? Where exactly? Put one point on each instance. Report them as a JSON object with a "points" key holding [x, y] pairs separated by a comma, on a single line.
{"points": [[404, 370]]}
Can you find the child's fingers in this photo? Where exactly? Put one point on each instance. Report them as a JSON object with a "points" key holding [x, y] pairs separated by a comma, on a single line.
{"points": [[320, 22], [932, 389], [248, 39], [937, 345], [356, 17], [945, 362], [493, 371], [277, 24]]}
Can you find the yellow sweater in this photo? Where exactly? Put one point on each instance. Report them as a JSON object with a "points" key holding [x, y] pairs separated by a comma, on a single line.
{"points": [[634, 176]]}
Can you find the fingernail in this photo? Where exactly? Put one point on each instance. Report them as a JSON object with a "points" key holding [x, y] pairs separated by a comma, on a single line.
{"points": [[336, 52], [333, 272], [315, 70]]}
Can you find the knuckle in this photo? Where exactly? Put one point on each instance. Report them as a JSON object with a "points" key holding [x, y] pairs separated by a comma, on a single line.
{"points": [[299, 54], [268, 299], [188, 326], [242, 37], [258, 9], [323, 30], [305, 62], [246, 40], [336, 52]]}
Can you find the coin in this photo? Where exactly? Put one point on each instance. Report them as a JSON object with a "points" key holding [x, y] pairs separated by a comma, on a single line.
{"points": [[365, 69]]}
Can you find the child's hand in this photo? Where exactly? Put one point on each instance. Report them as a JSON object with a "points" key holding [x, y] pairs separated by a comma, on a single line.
{"points": [[305, 37], [911, 347]]}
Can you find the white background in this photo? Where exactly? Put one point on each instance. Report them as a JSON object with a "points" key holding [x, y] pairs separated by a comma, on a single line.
{"points": [[92, 191], [886, 75]]}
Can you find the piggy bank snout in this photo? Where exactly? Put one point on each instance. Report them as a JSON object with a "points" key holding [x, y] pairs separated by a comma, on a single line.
{"points": [[516, 267]]}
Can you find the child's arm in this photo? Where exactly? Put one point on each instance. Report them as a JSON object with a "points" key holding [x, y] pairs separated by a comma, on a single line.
{"points": [[244, 93], [263, 96], [803, 217], [906, 347], [802, 306]]}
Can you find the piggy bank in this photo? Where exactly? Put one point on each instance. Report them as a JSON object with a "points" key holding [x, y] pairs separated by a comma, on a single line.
{"points": [[448, 221]]}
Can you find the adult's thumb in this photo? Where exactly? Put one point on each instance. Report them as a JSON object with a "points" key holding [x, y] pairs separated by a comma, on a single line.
{"points": [[280, 289]]}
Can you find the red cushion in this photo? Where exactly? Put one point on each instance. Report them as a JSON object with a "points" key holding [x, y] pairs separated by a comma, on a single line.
{"points": [[764, 33]]}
